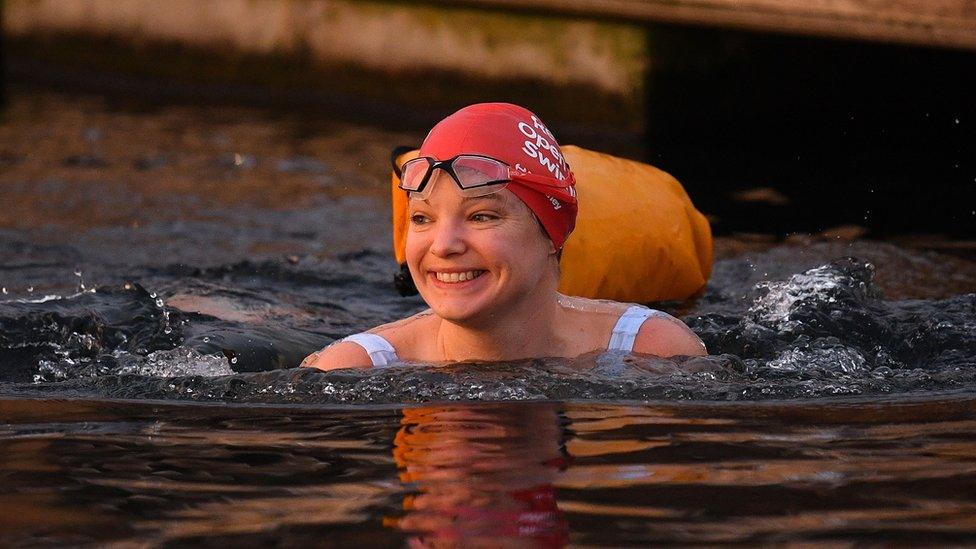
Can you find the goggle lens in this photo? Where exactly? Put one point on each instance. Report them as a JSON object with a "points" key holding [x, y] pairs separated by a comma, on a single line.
{"points": [[474, 175], [474, 171], [413, 174]]}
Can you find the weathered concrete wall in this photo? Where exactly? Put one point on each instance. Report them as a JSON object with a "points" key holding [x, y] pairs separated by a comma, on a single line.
{"points": [[377, 35], [944, 23]]}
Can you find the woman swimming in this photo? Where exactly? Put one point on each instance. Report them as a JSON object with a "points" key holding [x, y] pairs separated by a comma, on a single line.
{"points": [[491, 202]]}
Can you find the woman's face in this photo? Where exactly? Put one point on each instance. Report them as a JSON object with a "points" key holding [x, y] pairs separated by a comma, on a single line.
{"points": [[474, 258]]}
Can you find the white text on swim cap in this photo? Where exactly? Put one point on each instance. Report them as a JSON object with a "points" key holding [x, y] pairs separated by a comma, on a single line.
{"points": [[536, 144]]}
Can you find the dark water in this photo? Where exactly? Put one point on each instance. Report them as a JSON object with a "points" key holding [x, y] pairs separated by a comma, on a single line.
{"points": [[162, 273], [895, 471]]}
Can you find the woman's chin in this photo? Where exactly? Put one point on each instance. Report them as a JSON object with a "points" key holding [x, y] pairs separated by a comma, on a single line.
{"points": [[469, 308], [458, 311]]}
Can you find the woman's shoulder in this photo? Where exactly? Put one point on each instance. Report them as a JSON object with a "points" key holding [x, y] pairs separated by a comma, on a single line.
{"points": [[661, 334], [345, 353], [658, 333], [339, 354], [664, 335]]}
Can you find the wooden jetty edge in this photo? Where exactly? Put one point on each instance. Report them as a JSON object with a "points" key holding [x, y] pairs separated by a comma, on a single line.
{"points": [[940, 23]]}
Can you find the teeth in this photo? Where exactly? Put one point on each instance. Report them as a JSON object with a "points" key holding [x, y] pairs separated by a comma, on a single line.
{"points": [[457, 277]]}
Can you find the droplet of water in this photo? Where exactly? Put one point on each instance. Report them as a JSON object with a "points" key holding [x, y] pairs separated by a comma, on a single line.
{"points": [[167, 330], [4, 289], [78, 272], [159, 302], [206, 339], [30, 289], [233, 360]]}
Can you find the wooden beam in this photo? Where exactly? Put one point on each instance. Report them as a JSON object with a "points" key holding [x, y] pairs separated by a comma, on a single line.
{"points": [[939, 23]]}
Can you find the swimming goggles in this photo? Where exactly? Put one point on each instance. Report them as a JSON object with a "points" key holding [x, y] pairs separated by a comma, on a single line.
{"points": [[478, 175]]}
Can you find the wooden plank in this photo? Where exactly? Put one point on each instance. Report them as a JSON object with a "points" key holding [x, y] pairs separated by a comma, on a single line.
{"points": [[941, 23]]}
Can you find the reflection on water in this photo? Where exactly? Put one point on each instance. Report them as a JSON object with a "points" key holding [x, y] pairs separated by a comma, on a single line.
{"points": [[482, 475], [526, 474], [179, 474]]}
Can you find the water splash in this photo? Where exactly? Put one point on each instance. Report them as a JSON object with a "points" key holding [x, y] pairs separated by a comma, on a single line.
{"points": [[826, 331], [787, 305]]}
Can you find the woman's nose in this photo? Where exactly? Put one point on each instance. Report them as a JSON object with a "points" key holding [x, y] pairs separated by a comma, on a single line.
{"points": [[448, 239]]}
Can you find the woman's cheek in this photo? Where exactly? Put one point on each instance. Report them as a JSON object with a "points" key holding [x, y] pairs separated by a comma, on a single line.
{"points": [[414, 253]]}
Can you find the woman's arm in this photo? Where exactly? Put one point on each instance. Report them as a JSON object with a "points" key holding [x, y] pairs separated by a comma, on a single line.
{"points": [[342, 354]]}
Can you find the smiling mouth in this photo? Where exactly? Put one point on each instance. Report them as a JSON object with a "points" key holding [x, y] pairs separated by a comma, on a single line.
{"points": [[454, 278]]}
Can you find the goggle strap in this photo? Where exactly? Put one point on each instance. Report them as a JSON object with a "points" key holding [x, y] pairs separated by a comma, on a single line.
{"points": [[397, 153], [559, 193]]}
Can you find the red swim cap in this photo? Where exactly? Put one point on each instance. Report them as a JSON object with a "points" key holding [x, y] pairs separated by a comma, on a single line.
{"points": [[517, 137]]}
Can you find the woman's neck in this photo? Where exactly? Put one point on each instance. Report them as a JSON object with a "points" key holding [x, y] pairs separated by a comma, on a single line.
{"points": [[524, 331]]}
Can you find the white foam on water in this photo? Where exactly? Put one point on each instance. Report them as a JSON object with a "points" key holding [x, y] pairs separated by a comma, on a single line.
{"points": [[776, 307], [838, 359], [180, 361]]}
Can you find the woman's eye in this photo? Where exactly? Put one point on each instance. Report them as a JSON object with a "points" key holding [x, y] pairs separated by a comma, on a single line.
{"points": [[482, 217], [418, 219]]}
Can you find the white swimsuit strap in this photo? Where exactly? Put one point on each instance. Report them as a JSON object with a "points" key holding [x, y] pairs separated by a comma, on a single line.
{"points": [[625, 332], [379, 349]]}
